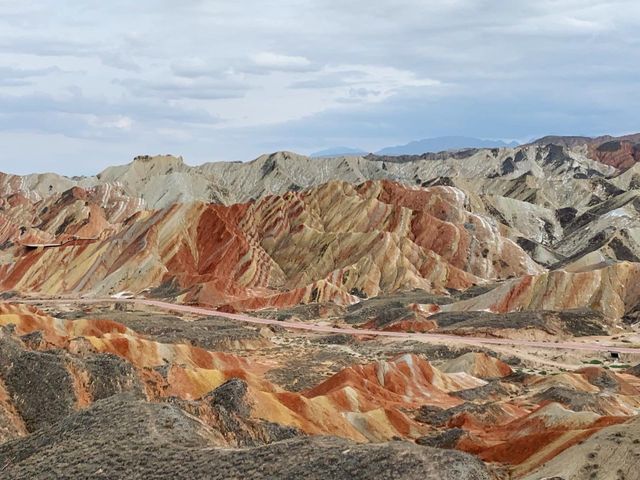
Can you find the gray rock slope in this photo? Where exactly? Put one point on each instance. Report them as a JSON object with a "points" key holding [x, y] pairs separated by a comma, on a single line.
{"points": [[121, 437]]}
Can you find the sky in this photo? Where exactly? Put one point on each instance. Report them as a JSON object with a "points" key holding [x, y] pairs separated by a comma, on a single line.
{"points": [[84, 85]]}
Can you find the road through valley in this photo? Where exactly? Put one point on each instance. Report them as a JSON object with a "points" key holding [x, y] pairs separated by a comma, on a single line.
{"points": [[314, 327]]}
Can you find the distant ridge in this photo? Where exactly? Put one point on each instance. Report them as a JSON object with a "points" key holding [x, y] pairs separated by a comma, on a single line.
{"points": [[572, 141], [440, 144], [620, 152], [338, 151], [448, 143]]}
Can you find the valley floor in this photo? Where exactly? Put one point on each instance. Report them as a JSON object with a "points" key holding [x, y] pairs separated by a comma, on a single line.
{"points": [[514, 404]]}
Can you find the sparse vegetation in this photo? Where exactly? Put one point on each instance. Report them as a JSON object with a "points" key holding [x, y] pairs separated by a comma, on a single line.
{"points": [[593, 362]]}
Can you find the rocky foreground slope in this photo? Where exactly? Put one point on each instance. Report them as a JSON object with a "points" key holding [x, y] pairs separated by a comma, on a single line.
{"points": [[540, 242], [98, 391]]}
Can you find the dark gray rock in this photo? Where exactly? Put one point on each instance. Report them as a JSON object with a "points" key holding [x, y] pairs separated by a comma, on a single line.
{"points": [[40, 386], [110, 375], [570, 398], [447, 439], [230, 396], [483, 392], [635, 370], [122, 438], [605, 380]]}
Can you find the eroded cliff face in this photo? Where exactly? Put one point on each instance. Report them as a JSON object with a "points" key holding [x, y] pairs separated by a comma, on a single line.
{"points": [[333, 243], [612, 290]]}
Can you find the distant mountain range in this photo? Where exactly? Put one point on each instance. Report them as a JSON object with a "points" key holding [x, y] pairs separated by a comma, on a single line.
{"points": [[440, 144], [436, 144], [337, 152]]}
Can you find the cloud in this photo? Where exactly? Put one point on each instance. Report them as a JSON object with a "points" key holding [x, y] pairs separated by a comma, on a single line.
{"points": [[118, 121], [208, 78], [77, 116], [331, 79], [365, 83], [42, 46], [20, 73], [185, 88], [191, 68], [277, 62], [19, 77], [81, 105]]}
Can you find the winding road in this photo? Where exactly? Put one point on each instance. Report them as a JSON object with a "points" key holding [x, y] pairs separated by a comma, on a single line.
{"points": [[424, 337]]}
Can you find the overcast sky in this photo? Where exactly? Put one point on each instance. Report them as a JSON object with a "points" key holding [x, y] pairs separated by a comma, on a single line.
{"points": [[88, 84]]}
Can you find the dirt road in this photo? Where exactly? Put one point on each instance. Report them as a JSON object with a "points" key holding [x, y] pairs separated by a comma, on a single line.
{"points": [[424, 337]]}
